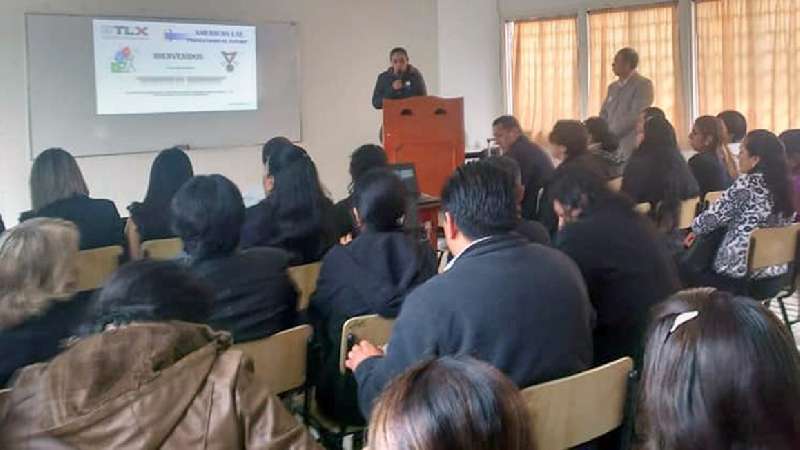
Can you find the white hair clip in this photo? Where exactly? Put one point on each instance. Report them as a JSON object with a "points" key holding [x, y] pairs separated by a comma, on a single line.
{"points": [[681, 319]]}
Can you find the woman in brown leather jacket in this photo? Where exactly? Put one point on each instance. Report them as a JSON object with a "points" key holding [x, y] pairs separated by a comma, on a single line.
{"points": [[149, 377]]}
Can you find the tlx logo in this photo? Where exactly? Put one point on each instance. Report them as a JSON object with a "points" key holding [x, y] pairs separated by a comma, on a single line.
{"points": [[123, 30]]}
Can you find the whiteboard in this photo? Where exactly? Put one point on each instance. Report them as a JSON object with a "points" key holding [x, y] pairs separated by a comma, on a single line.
{"points": [[61, 96]]}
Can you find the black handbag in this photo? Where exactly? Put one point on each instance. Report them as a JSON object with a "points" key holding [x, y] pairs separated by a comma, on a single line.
{"points": [[699, 257]]}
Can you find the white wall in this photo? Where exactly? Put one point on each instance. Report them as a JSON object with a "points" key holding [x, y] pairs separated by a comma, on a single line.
{"points": [[343, 46], [470, 64], [523, 9]]}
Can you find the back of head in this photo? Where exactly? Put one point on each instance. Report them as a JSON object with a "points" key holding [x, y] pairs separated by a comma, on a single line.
{"points": [[482, 200], [208, 213], [791, 140], [508, 165], [659, 136], [366, 158], [719, 373], [735, 124], [297, 196], [169, 171], [37, 265], [150, 291], [774, 166], [652, 112], [55, 175], [451, 403], [579, 188], [273, 144], [379, 196], [598, 131], [572, 135]]}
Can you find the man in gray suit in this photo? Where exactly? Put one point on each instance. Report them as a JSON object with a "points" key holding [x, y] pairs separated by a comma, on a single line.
{"points": [[626, 99]]}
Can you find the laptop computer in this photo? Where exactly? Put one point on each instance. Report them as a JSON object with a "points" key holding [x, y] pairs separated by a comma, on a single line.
{"points": [[408, 174]]}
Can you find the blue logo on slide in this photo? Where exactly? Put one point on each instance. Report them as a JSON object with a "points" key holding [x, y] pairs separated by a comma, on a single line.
{"points": [[174, 36]]}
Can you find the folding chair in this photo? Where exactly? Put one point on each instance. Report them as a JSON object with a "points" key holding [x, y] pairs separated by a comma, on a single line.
{"points": [[280, 360], [577, 409], [162, 249], [711, 197], [687, 213], [305, 279], [96, 265], [773, 247], [374, 329]]}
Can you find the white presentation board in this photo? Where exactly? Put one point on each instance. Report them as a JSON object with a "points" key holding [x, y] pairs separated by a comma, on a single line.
{"points": [[201, 83], [165, 67]]}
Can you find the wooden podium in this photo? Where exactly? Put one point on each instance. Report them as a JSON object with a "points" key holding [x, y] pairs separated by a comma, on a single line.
{"points": [[426, 131]]}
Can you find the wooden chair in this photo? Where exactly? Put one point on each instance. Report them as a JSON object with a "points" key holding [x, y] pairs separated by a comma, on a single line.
{"points": [[280, 360], [773, 247], [372, 328], [711, 197], [687, 213], [615, 184], [96, 265], [643, 208], [305, 279], [574, 410], [162, 249], [4, 396]]}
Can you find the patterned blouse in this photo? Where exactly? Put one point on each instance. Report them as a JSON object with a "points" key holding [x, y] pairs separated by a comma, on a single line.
{"points": [[742, 208]]}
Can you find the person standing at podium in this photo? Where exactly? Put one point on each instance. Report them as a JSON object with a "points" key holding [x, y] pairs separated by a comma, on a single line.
{"points": [[401, 80]]}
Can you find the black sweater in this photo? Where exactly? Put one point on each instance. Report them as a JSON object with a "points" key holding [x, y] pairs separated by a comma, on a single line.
{"points": [[536, 167], [709, 172], [413, 86], [519, 306], [97, 219]]}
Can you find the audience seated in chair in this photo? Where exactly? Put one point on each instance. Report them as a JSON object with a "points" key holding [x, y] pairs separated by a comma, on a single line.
{"points": [[296, 216], [164, 382], [791, 140], [362, 160], [58, 190], [761, 197], [534, 163], [569, 144], [38, 305], [372, 274], [658, 174], [253, 295], [532, 230], [604, 144], [522, 307], [624, 261], [451, 403], [719, 373], [151, 219], [713, 166]]}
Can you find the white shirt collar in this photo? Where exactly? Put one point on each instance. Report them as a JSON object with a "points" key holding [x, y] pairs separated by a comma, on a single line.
{"points": [[453, 261], [625, 81]]}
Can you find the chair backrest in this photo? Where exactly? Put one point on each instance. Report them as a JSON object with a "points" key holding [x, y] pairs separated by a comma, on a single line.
{"points": [[4, 395], [305, 279], [711, 197], [280, 359], [643, 208], [772, 247], [372, 328], [687, 213], [576, 409], [162, 249], [615, 184], [96, 265]]}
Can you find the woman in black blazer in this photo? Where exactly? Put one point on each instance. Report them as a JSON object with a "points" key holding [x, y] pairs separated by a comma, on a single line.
{"points": [[254, 297], [58, 190], [713, 166], [372, 274]]}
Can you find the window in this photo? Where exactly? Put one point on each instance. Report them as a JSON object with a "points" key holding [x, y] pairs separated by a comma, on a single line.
{"points": [[748, 59], [653, 32], [544, 74]]}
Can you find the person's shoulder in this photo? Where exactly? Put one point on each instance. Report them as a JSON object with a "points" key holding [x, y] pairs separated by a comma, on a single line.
{"points": [[268, 256]]}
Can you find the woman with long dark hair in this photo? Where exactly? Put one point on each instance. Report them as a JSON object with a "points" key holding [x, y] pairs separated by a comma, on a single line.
{"points": [[720, 372], [58, 190], [658, 174], [370, 275], [713, 166], [761, 197], [151, 219], [296, 215], [451, 403], [605, 145]]}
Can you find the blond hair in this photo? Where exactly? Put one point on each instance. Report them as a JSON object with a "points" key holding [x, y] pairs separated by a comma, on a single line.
{"points": [[37, 267]]}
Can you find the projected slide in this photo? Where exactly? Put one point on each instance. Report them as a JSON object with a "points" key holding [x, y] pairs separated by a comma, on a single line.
{"points": [[161, 67]]}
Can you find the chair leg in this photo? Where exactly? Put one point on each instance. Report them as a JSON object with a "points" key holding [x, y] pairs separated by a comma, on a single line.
{"points": [[785, 313]]}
